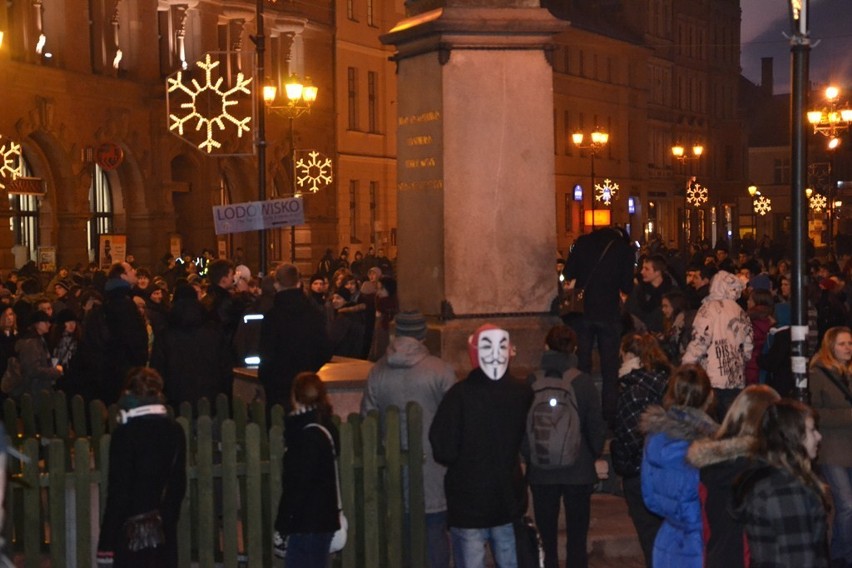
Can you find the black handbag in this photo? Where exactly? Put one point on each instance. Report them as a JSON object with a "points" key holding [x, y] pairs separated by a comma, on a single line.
{"points": [[144, 531]]}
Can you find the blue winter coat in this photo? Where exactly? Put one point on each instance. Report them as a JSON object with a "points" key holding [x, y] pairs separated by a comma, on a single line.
{"points": [[670, 484]]}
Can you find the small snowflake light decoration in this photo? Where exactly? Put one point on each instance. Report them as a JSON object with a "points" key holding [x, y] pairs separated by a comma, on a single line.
{"points": [[762, 205], [216, 117], [817, 202], [696, 194], [313, 172], [10, 161], [606, 192]]}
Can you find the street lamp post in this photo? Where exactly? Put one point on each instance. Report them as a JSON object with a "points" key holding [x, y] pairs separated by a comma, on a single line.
{"points": [[260, 133], [679, 153], [800, 46], [300, 98], [831, 121], [752, 191], [598, 140]]}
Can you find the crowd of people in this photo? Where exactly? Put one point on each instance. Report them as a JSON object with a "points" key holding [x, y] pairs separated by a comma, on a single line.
{"points": [[711, 450], [718, 466]]}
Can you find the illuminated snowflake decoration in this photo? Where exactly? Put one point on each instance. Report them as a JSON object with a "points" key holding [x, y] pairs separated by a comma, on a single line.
{"points": [[218, 102], [696, 194], [10, 161], [762, 205], [313, 172], [817, 202], [606, 192]]}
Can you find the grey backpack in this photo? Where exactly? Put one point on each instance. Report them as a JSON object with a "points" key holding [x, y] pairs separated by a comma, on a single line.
{"points": [[554, 431]]}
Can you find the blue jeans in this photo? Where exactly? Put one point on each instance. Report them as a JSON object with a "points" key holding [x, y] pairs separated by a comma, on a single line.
{"points": [[469, 546], [608, 336], [437, 540], [839, 479], [308, 550]]}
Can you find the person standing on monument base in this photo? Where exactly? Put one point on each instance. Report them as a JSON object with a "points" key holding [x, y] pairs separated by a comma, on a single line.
{"points": [[293, 338], [477, 433], [601, 263], [408, 373]]}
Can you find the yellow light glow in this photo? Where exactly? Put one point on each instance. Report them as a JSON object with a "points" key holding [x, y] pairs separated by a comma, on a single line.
{"points": [[697, 150], [677, 151], [814, 116], [294, 89], [598, 217], [831, 93], [752, 190], [833, 143], [270, 91], [808, 192], [577, 138]]}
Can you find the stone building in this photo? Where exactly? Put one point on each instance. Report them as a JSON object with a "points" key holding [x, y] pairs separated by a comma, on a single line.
{"points": [[85, 98]]}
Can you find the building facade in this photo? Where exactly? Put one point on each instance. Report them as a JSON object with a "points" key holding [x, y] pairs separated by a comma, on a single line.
{"points": [[86, 100]]}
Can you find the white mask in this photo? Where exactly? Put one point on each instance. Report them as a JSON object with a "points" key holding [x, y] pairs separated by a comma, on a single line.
{"points": [[493, 352]]}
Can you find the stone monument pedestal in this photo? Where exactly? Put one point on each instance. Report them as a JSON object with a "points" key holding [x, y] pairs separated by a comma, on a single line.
{"points": [[477, 226]]}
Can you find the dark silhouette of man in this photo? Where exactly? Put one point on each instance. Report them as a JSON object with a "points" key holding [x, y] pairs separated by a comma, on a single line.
{"points": [[293, 338]]}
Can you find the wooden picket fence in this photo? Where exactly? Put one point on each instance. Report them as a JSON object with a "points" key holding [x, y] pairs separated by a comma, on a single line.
{"points": [[56, 499]]}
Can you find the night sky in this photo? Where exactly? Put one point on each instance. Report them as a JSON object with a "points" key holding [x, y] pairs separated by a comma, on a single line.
{"points": [[764, 21]]}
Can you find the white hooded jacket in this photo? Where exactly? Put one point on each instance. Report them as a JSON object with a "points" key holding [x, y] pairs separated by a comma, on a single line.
{"points": [[722, 336]]}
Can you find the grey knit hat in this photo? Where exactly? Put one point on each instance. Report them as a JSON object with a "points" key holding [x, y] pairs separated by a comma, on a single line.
{"points": [[410, 324]]}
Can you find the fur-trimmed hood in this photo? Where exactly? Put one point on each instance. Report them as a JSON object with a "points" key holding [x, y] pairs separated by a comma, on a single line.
{"points": [[703, 453], [679, 422]]}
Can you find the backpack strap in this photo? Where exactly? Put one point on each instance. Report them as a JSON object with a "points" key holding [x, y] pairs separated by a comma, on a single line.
{"points": [[571, 374]]}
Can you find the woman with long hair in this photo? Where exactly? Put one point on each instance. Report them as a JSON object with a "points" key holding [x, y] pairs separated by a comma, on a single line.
{"points": [[147, 476], [308, 511], [830, 383], [721, 459], [781, 502], [642, 381], [669, 483], [676, 326]]}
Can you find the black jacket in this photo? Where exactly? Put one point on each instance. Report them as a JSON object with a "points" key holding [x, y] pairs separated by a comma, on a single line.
{"points": [[309, 498], [188, 377], [613, 274], [293, 339], [127, 341], [477, 433], [147, 470]]}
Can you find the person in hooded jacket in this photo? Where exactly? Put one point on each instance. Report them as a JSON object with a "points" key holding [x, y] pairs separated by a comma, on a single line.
{"points": [[477, 433], [721, 460], [186, 378], [722, 339], [643, 377], [573, 484], [408, 373], [669, 484]]}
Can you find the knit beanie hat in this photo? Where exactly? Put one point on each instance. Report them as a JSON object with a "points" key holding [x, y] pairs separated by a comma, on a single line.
{"points": [[410, 323]]}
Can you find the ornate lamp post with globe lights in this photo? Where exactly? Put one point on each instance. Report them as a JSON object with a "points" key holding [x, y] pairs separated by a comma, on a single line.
{"points": [[300, 97], [694, 194], [832, 121], [598, 140]]}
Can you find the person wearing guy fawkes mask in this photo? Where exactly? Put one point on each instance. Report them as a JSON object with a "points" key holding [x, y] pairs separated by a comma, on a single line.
{"points": [[477, 433]]}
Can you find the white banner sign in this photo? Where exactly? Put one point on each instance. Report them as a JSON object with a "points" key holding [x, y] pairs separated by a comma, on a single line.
{"points": [[258, 215]]}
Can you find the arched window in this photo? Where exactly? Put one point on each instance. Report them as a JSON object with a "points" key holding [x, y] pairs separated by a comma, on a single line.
{"points": [[100, 209], [24, 219]]}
